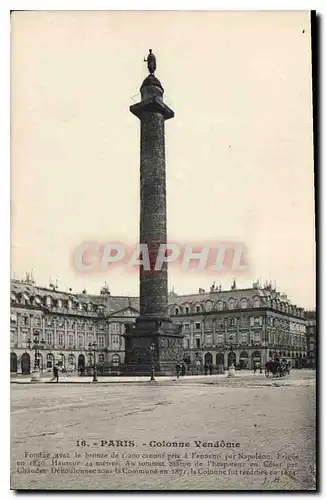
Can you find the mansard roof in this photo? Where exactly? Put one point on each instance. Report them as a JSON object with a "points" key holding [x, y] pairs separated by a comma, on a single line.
{"points": [[113, 304]]}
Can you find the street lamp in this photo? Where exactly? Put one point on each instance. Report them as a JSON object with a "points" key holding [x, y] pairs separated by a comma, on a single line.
{"points": [[92, 347], [35, 346], [152, 348]]}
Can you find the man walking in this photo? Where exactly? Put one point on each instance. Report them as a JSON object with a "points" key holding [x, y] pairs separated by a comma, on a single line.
{"points": [[55, 373]]}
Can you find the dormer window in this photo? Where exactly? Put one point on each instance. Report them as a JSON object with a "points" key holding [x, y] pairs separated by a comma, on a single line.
{"points": [[48, 301], [59, 304], [257, 303], [69, 304], [176, 311], [197, 309]]}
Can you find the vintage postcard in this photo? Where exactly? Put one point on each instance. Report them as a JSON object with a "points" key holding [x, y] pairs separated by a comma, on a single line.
{"points": [[163, 309]]}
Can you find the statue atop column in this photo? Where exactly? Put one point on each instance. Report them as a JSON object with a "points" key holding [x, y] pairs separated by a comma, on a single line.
{"points": [[151, 62]]}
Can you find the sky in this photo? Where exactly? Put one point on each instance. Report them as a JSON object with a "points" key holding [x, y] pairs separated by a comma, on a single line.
{"points": [[239, 150]]}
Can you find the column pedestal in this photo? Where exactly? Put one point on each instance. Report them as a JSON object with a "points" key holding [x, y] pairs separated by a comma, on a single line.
{"points": [[165, 336]]}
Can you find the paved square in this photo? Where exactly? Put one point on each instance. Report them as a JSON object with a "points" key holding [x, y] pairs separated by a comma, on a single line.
{"points": [[270, 423]]}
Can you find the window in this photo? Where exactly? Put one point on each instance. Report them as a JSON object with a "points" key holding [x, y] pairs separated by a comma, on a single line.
{"points": [[256, 303], [49, 338], [60, 339], [48, 301], [70, 340], [89, 338], [59, 303], [49, 360], [197, 326], [176, 311], [257, 336], [115, 341], [186, 326], [197, 309], [13, 318], [69, 304], [115, 327], [80, 340], [233, 321], [244, 337], [220, 306], [101, 357], [231, 304], [209, 339], [244, 321], [244, 304], [13, 338], [115, 360], [25, 320], [220, 324], [186, 343], [197, 342], [187, 310], [71, 360], [101, 341]]}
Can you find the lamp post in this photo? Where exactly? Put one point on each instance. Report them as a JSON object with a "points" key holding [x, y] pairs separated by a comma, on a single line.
{"points": [[152, 348], [35, 346], [92, 347]]}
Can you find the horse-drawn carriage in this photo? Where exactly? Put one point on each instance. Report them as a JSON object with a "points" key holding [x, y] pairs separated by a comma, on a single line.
{"points": [[279, 367]]}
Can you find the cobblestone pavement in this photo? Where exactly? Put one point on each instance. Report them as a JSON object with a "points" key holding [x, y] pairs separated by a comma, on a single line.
{"points": [[273, 420]]}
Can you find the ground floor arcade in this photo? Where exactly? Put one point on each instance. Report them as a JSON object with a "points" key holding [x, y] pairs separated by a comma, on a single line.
{"points": [[241, 358], [22, 361]]}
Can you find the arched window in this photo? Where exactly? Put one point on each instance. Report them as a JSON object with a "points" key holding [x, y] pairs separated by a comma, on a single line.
{"points": [[256, 302], [231, 304], [48, 301], [101, 357], [115, 359], [176, 311], [220, 306], [244, 304], [72, 359], [209, 305]]}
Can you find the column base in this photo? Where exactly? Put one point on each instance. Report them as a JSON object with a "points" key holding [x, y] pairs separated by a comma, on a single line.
{"points": [[166, 340]]}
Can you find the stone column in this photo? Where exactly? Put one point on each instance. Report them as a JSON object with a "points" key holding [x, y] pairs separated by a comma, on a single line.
{"points": [[154, 339]]}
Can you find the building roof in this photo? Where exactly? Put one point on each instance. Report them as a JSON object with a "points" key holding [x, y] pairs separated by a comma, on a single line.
{"points": [[114, 304]]}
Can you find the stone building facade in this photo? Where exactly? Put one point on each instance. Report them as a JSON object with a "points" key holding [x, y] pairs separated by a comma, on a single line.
{"points": [[311, 331], [220, 327]]}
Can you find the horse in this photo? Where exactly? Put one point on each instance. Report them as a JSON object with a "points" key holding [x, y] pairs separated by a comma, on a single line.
{"points": [[271, 367]]}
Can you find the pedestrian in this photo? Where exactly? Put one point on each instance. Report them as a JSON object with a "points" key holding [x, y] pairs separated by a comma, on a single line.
{"points": [[183, 369], [178, 369], [210, 369], [206, 369], [55, 373], [255, 368]]}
